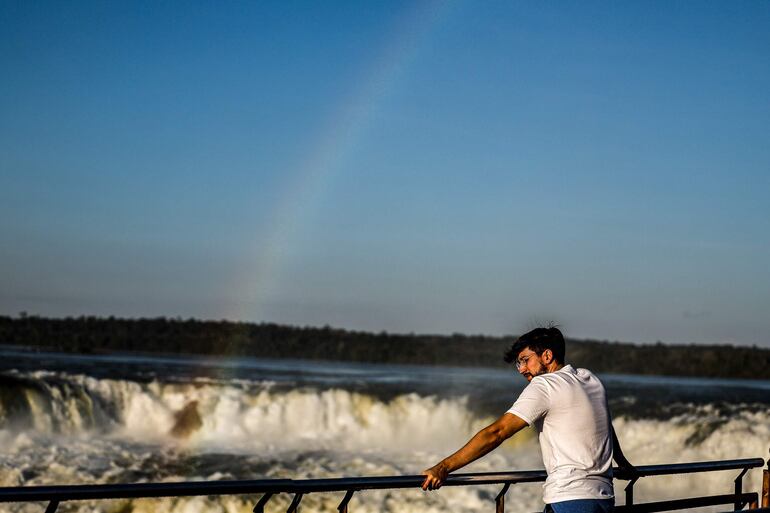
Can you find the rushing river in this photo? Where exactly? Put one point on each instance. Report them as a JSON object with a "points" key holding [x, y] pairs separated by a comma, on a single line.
{"points": [[73, 420]]}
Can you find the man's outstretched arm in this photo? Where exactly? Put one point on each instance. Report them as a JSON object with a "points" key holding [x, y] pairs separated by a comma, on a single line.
{"points": [[482, 442]]}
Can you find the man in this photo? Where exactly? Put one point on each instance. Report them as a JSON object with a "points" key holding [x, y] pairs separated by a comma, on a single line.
{"points": [[568, 408]]}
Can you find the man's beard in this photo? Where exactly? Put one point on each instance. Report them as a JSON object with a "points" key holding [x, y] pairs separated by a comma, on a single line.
{"points": [[537, 372]]}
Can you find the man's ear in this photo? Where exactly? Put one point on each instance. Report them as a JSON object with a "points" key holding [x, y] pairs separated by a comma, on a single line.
{"points": [[547, 356]]}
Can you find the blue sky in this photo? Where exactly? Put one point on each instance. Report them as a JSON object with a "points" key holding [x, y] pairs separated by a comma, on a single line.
{"points": [[430, 167]]}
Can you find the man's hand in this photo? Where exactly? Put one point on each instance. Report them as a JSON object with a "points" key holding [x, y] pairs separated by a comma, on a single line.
{"points": [[626, 471], [435, 476]]}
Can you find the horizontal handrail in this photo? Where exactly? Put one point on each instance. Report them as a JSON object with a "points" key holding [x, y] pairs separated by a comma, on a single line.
{"points": [[702, 466], [245, 487]]}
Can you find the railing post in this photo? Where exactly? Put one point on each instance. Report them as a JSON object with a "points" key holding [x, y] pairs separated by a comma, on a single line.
{"points": [[52, 507], [260, 506], [766, 486], [500, 499], [630, 491], [343, 507], [739, 489]]}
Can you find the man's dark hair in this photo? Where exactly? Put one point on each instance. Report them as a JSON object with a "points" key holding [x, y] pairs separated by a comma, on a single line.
{"points": [[538, 340]]}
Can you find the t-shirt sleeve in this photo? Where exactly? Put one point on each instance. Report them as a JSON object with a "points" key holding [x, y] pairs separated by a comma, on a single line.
{"points": [[533, 402]]}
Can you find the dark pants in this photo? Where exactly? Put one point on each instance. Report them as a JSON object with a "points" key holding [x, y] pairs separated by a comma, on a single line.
{"points": [[582, 506]]}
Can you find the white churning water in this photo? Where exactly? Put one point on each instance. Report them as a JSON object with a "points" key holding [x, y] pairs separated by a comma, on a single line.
{"points": [[66, 428]]}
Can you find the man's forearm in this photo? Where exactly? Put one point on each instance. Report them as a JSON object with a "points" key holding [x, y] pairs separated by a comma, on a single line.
{"points": [[617, 452], [482, 442]]}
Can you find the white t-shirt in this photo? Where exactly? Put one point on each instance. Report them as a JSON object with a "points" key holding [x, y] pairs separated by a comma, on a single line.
{"points": [[568, 408]]}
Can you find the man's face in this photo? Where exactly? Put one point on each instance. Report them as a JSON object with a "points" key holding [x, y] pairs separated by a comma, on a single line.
{"points": [[530, 364]]}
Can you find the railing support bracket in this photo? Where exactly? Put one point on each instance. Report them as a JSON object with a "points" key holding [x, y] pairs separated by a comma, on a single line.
{"points": [[260, 506], [630, 491], [52, 506], [739, 488], [343, 507], [294, 503], [500, 499]]}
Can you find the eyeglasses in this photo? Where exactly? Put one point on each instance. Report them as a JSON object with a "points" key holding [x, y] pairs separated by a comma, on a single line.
{"points": [[523, 360]]}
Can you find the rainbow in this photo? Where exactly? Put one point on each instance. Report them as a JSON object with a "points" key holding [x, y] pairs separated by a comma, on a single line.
{"points": [[315, 177]]}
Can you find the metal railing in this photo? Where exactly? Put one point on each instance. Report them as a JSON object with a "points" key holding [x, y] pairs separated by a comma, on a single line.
{"points": [[54, 495]]}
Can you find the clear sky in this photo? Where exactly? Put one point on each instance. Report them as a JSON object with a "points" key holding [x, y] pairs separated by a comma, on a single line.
{"points": [[429, 167]]}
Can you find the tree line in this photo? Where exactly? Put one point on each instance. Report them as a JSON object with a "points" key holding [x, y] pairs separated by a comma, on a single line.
{"points": [[226, 338]]}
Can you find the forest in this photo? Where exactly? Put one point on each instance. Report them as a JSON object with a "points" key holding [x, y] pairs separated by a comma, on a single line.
{"points": [[175, 336]]}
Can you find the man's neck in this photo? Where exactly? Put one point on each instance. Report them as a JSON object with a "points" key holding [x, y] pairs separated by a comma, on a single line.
{"points": [[554, 366]]}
